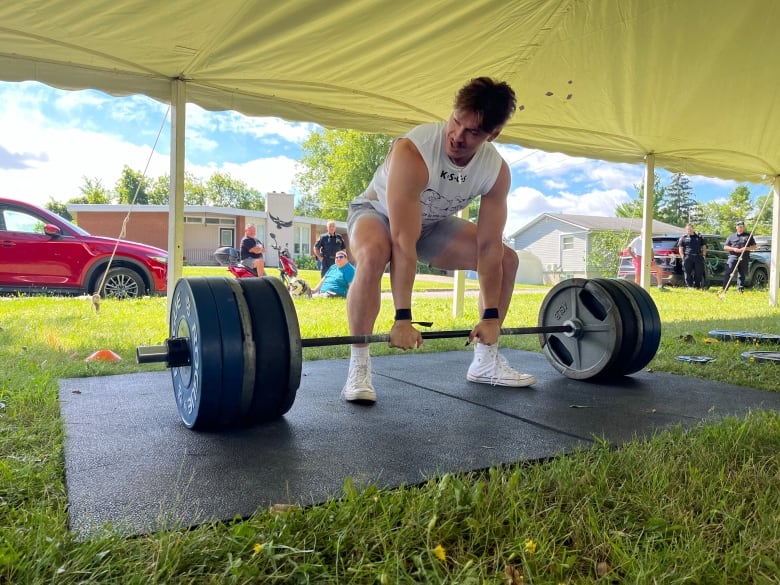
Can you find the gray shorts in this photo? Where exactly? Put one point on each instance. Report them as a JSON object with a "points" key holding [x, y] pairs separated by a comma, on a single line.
{"points": [[433, 239], [250, 262]]}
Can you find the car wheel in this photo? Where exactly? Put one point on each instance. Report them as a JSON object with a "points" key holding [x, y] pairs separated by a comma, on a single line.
{"points": [[123, 283], [759, 279]]}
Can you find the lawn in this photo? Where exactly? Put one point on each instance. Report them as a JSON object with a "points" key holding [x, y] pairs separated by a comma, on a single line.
{"points": [[685, 507]]}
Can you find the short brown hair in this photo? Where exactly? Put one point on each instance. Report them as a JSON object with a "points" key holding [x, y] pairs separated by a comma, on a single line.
{"points": [[494, 101]]}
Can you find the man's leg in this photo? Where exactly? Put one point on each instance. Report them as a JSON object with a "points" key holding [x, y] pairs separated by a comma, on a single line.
{"points": [[698, 271], [742, 278], [259, 266], [637, 262], [688, 270], [370, 247], [727, 272], [460, 253]]}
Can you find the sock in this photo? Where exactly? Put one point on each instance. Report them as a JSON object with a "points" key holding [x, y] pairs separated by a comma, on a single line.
{"points": [[359, 352], [482, 348]]}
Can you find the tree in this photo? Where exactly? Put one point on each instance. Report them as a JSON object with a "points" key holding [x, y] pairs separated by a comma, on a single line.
{"points": [[603, 257], [308, 205], [679, 206], [337, 166], [60, 209], [131, 187], [93, 191], [222, 190], [635, 207]]}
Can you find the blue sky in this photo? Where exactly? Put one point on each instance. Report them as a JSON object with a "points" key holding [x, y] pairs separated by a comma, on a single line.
{"points": [[51, 139]]}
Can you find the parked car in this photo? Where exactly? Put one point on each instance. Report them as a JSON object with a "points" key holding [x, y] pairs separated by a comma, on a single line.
{"points": [[668, 259], [40, 252]]}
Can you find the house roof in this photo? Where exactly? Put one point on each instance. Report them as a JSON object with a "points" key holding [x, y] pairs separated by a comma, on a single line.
{"points": [[188, 209], [590, 223]]}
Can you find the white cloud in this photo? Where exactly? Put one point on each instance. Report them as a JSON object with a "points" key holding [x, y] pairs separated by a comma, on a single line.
{"points": [[270, 129], [526, 203], [263, 174]]}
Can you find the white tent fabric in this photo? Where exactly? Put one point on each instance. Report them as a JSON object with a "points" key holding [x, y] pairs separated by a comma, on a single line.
{"points": [[692, 82]]}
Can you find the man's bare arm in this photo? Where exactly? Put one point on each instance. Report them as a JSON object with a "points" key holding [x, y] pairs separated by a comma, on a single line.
{"points": [[406, 179]]}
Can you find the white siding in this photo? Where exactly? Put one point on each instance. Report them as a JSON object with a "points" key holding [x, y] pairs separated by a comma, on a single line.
{"points": [[545, 241]]}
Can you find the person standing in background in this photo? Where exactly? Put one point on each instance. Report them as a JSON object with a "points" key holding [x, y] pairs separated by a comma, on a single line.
{"points": [[326, 247], [635, 251], [693, 250], [738, 245]]}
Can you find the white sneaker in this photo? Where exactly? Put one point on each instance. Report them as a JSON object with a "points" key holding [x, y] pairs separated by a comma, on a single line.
{"points": [[490, 367], [358, 387]]}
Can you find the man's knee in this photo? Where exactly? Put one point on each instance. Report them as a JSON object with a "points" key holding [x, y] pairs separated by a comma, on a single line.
{"points": [[510, 262]]}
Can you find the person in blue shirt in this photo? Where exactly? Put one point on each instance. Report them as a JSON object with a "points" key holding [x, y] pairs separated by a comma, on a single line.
{"points": [[337, 279]]}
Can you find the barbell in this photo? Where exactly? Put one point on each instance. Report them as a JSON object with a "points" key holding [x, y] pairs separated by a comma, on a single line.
{"points": [[235, 350]]}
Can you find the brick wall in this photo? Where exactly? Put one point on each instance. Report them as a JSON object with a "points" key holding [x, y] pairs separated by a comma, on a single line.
{"points": [[148, 228]]}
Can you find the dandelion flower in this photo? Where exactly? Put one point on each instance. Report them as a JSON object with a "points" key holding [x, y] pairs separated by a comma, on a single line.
{"points": [[530, 547], [440, 553], [257, 548]]}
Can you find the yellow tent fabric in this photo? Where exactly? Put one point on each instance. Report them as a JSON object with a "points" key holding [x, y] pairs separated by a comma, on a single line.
{"points": [[692, 81]]}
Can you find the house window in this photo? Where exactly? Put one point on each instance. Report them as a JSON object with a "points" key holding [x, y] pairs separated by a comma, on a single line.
{"points": [[302, 241], [227, 237], [567, 243], [192, 219]]}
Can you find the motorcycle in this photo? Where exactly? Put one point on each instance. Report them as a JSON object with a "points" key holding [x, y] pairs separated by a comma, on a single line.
{"points": [[288, 270]]}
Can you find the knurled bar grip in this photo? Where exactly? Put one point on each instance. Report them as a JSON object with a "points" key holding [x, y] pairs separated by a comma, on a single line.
{"points": [[357, 339]]}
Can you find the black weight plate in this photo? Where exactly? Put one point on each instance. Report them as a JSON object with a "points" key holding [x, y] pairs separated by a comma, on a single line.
{"points": [[745, 336], [651, 325], [589, 305], [197, 388], [231, 408], [762, 356], [632, 325], [293, 335], [277, 360]]}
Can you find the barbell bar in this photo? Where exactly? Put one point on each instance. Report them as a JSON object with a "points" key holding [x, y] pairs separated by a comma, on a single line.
{"points": [[175, 351], [235, 350]]}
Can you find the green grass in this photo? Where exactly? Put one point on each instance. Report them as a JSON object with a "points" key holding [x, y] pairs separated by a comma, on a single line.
{"points": [[685, 507]]}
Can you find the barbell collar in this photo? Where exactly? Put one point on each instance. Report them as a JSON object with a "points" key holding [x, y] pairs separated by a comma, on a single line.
{"points": [[175, 353]]}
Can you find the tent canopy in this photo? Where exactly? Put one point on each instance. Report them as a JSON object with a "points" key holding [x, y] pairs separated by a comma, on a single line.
{"points": [[693, 82]]}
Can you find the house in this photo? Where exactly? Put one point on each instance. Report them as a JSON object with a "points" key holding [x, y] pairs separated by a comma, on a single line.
{"points": [[562, 243], [207, 228]]}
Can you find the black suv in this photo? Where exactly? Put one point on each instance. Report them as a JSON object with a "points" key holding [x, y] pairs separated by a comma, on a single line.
{"points": [[668, 259]]}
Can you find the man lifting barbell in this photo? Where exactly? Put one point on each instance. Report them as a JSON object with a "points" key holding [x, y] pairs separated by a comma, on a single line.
{"points": [[406, 214]]}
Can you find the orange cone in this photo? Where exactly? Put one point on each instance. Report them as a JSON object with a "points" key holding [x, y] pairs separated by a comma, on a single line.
{"points": [[103, 355]]}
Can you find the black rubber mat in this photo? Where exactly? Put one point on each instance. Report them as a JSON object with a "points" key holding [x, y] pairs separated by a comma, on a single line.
{"points": [[130, 462]]}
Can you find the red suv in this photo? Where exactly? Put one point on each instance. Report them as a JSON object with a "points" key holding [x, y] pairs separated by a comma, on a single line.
{"points": [[41, 252]]}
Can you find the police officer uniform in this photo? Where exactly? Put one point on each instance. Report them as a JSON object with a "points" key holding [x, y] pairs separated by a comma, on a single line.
{"points": [[693, 251], [738, 244], [327, 246]]}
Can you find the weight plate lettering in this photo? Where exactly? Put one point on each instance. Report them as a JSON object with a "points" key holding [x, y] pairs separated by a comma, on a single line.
{"points": [[589, 355], [197, 388]]}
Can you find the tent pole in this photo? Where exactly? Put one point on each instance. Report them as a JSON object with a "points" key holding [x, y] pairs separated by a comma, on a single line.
{"points": [[459, 282], [176, 188], [647, 222], [774, 255]]}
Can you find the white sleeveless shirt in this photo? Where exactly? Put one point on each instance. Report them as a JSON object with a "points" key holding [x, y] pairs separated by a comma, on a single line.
{"points": [[450, 187]]}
